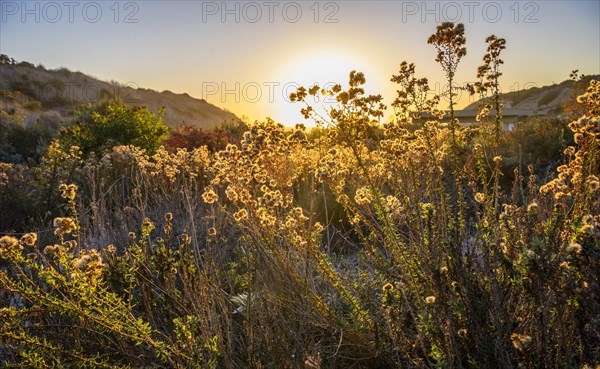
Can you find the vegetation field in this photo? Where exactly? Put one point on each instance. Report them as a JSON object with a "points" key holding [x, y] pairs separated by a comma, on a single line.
{"points": [[355, 244]]}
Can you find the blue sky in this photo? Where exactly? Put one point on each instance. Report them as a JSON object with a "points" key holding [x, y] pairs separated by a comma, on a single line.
{"points": [[247, 55]]}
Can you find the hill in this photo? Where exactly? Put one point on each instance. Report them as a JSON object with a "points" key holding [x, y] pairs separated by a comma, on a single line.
{"points": [[36, 94], [546, 100]]}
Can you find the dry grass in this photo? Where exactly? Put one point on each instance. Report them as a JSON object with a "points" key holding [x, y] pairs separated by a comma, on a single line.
{"points": [[354, 249]]}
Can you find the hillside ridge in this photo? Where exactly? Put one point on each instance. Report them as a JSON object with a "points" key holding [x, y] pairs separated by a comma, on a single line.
{"points": [[48, 96], [545, 100]]}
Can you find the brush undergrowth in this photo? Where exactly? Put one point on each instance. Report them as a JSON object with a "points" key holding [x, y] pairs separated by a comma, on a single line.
{"points": [[364, 246]]}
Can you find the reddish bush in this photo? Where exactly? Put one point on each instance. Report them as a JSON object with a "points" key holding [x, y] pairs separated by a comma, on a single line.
{"points": [[187, 137]]}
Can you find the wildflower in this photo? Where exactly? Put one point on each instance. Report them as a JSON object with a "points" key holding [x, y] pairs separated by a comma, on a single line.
{"points": [[318, 227], [299, 213], [64, 225], [147, 226], [569, 151], [577, 178], [594, 183], [51, 250], [209, 196], [387, 287], [548, 187], [393, 205], [169, 217], [29, 239], [90, 262], [272, 198], [265, 219], [260, 177], [483, 114], [363, 196], [462, 332], [430, 299], [132, 235], [290, 222], [240, 215], [231, 194], [497, 159], [212, 231], [68, 192], [9, 244], [479, 197], [111, 249], [71, 244]]}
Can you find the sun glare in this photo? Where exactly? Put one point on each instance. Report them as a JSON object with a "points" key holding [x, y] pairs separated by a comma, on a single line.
{"points": [[324, 69]]}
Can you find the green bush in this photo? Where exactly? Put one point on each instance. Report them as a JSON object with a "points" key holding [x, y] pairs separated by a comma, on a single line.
{"points": [[21, 144], [109, 124]]}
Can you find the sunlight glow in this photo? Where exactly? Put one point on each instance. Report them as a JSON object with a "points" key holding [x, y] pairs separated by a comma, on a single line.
{"points": [[322, 68]]}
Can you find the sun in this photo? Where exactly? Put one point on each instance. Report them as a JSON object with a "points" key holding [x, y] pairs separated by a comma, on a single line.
{"points": [[324, 69]]}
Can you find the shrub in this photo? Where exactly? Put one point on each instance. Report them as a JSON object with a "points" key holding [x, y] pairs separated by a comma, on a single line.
{"points": [[109, 124], [187, 137], [20, 143]]}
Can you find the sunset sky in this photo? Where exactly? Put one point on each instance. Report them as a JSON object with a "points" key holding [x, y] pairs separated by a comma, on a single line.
{"points": [[248, 56]]}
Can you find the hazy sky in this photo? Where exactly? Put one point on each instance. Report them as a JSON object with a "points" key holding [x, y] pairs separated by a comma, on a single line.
{"points": [[247, 56]]}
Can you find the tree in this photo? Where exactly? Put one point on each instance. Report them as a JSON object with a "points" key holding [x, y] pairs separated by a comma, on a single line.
{"points": [[110, 123], [4, 59]]}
